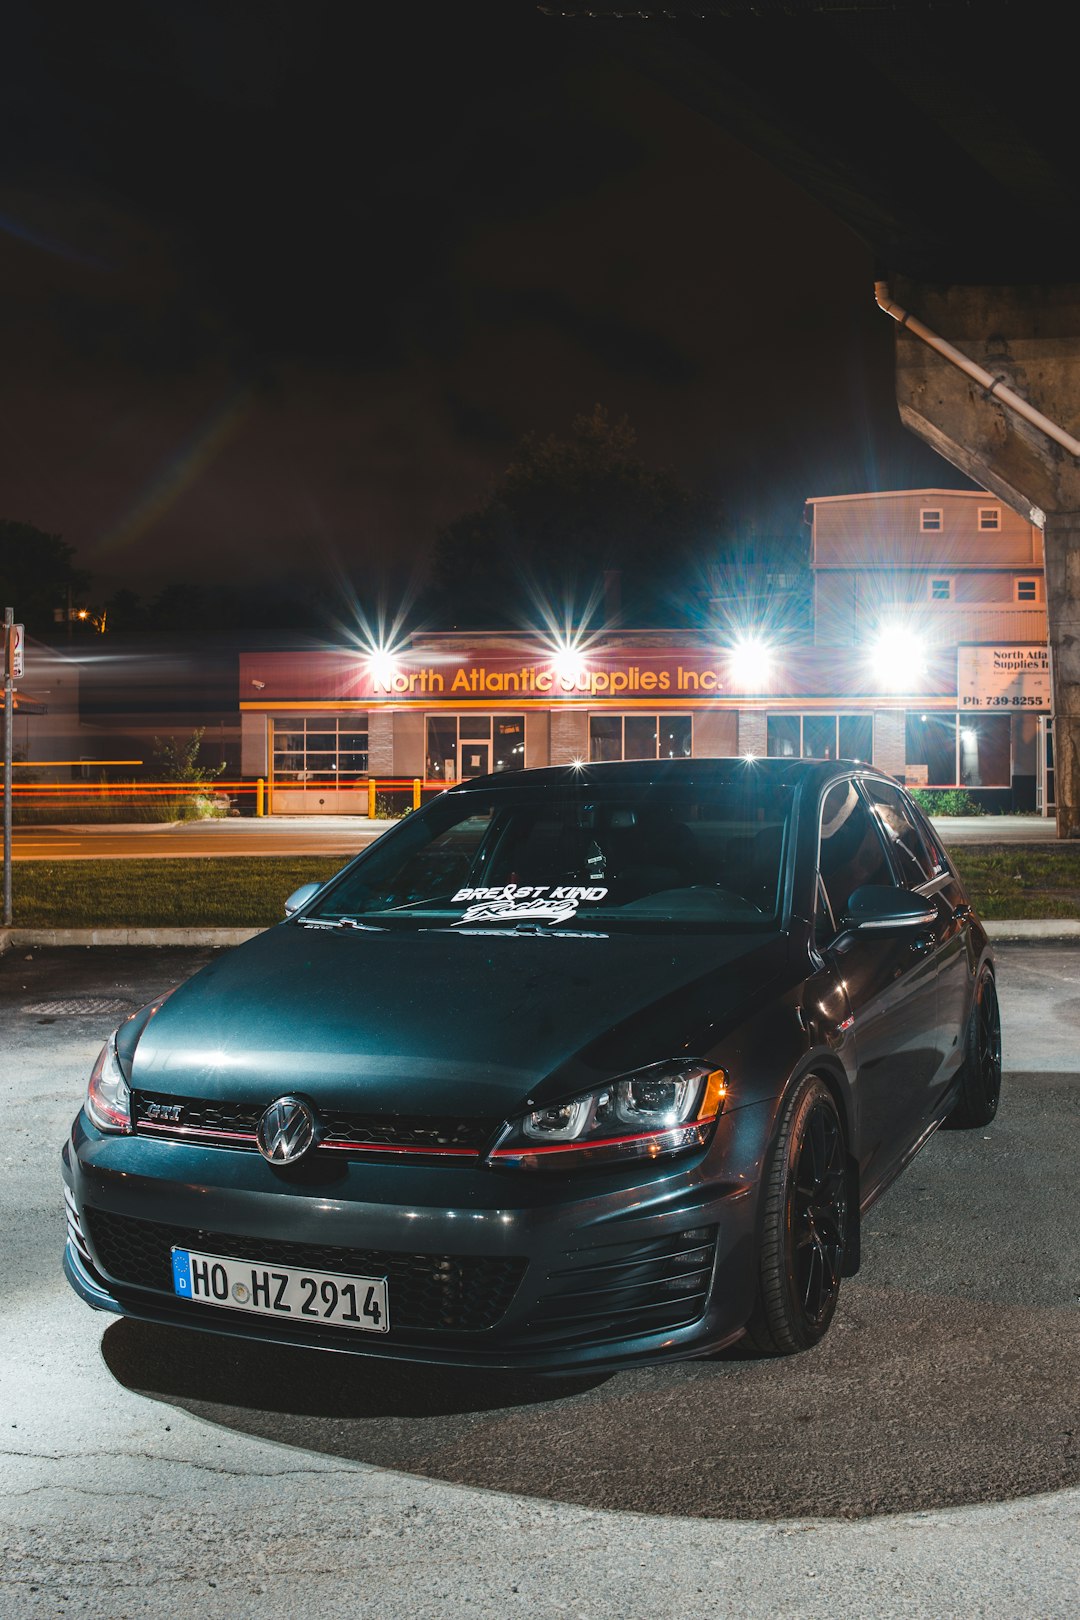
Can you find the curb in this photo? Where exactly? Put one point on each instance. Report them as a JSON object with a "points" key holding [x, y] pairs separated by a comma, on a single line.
{"points": [[18, 939], [1034, 928]]}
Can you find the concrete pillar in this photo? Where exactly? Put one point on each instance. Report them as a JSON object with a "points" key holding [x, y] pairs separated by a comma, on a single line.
{"points": [[753, 732], [890, 741], [1030, 338], [1062, 542], [569, 736], [380, 743]]}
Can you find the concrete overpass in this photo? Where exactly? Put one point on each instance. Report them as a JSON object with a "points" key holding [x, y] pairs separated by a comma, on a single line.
{"points": [[943, 135]]}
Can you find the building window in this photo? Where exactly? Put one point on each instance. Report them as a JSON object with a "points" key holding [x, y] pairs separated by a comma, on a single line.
{"points": [[930, 749], [640, 736], [1027, 590], [989, 517], [930, 519], [941, 590], [328, 752], [820, 736], [985, 750], [464, 745]]}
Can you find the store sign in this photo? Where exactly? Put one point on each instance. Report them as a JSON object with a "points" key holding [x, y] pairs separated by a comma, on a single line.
{"points": [[593, 678], [1003, 678]]}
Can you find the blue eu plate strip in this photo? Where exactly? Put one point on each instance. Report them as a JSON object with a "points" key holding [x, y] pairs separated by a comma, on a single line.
{"points": [[181, 1272]]}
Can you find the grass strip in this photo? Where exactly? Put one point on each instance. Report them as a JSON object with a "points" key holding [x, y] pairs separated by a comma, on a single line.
{"points": [[248, 891], [1020, 880], [224, 892]]}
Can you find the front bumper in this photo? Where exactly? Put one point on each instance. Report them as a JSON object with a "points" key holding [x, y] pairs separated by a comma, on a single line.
{"points": [[500, 1269]]}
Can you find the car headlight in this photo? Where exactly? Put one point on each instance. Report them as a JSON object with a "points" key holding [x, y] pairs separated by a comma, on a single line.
{"points": [[108, 1096], [664, 1109]]}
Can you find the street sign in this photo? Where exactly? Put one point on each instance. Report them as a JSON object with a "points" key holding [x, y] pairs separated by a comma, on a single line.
{"points": [[16, 641]]}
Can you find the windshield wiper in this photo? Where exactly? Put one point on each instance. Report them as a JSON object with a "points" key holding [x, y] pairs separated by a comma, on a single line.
{"points": [[338, 922]]}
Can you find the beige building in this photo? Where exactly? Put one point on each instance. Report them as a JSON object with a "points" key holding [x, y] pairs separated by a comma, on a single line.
{"points": [[969, 569], [960, 575]]}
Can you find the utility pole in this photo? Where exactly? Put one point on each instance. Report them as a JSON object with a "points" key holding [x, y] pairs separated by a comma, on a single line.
{"points": [[9, 727]]}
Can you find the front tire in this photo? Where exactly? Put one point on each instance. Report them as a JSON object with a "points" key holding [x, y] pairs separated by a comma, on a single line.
{"points": [[804, 1224], [980, 1074]]}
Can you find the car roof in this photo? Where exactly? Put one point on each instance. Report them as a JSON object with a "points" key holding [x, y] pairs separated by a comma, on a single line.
{"points": [[676, 773]]}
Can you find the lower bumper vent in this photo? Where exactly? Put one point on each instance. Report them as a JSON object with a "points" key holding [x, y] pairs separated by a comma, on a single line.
{"points": [[440, 1292]]}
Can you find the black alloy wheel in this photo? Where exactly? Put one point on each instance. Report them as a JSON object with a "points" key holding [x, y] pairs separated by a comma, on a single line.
{"points": [[804, 1225], [980, 1075]]}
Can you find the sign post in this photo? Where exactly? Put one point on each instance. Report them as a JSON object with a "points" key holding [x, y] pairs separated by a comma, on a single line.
{"points": [[12, 666]]}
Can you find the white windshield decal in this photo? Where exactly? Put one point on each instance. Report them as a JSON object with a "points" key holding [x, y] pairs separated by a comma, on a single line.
{"points": [[524, 902]]}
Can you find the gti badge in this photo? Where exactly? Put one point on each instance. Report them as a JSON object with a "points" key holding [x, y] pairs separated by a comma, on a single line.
{"points": [[165, 1113], [286, 1131]]}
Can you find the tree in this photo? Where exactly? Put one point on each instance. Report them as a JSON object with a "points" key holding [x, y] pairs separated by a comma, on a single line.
{"points": [[36, 574], [179, 762], [564, 513]]}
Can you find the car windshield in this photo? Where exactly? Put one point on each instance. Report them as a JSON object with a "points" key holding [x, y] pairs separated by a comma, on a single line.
{"points": [[577, 858]]}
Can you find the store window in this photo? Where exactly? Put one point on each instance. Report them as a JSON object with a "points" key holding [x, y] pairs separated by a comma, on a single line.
{"points": [[985, 750], [464, 745], [820, 736], [319, 750], [640, 736], [967, 750], [930, 749]]}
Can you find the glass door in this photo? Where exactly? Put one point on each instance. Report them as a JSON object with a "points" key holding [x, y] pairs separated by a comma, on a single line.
{"points": [[475, 758]]}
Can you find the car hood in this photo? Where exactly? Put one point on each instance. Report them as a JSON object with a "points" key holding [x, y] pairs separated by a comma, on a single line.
{"points": [[434, 1022]]}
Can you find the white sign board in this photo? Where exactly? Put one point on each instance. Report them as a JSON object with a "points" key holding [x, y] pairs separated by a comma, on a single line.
{"points": [[1003, 678], [15, 652]]}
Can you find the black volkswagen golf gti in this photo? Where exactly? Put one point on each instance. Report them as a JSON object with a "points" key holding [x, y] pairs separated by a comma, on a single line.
{"points": [[573, 1067]]}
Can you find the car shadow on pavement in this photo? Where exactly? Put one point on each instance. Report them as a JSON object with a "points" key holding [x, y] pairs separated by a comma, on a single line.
{"points": [[948, 1378], [171, 1363]]}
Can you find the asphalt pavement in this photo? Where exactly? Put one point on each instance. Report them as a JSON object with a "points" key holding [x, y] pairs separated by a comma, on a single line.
{"points": [[242, 835], [923, 1461]]}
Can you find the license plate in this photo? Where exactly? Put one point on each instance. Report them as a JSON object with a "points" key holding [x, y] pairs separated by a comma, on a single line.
{"points": [[307, 1296]]}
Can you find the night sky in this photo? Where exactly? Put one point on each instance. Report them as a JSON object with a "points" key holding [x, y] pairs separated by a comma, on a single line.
{"points": [[284, 284]]}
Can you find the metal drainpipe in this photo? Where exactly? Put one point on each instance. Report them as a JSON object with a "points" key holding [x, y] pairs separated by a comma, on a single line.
{"points": [[994, 386]]}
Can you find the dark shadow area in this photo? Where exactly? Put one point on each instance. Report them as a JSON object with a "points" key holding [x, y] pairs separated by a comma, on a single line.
{"points": [[949, 1376]]}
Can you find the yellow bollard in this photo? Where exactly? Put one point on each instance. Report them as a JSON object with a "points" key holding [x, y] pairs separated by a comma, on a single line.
{"points": [[371, 798], [416, 793], [260, 797]]}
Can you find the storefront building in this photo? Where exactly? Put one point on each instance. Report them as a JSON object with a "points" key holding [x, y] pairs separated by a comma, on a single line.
{"points": [[929, 658]]}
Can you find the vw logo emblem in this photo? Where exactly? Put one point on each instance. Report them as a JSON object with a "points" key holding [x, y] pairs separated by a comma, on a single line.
{"points": [[286, 1131]]}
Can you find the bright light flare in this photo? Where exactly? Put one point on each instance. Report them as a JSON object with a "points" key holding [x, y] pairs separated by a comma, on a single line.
{"points": [[382, 667], [750, 663], [568, 663], [898, 658]]}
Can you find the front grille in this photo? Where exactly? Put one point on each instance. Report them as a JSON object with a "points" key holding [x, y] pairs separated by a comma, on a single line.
{"points": [[233, 1124], [444, 1292], [620, 1290]]}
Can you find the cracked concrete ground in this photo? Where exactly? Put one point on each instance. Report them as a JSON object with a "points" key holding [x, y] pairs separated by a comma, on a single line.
{"points": [[154, 1474]]}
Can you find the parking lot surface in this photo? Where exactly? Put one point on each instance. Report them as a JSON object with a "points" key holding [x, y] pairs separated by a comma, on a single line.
{"points": [[923, 1460]]}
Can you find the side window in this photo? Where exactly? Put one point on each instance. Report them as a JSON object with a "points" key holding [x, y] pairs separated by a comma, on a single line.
{"points": [[916, 861], [852, 853]]}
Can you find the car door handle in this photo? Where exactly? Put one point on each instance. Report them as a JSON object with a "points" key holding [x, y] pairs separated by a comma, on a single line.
{"points": [[922, 943]]}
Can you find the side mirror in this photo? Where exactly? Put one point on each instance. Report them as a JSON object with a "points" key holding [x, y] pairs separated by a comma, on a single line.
{"points": [[300, 897], [879, 905]]}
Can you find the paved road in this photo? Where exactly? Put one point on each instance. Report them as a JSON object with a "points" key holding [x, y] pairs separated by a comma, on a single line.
{"points": [[307, 835], [923, 1461], [344, 835]]}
